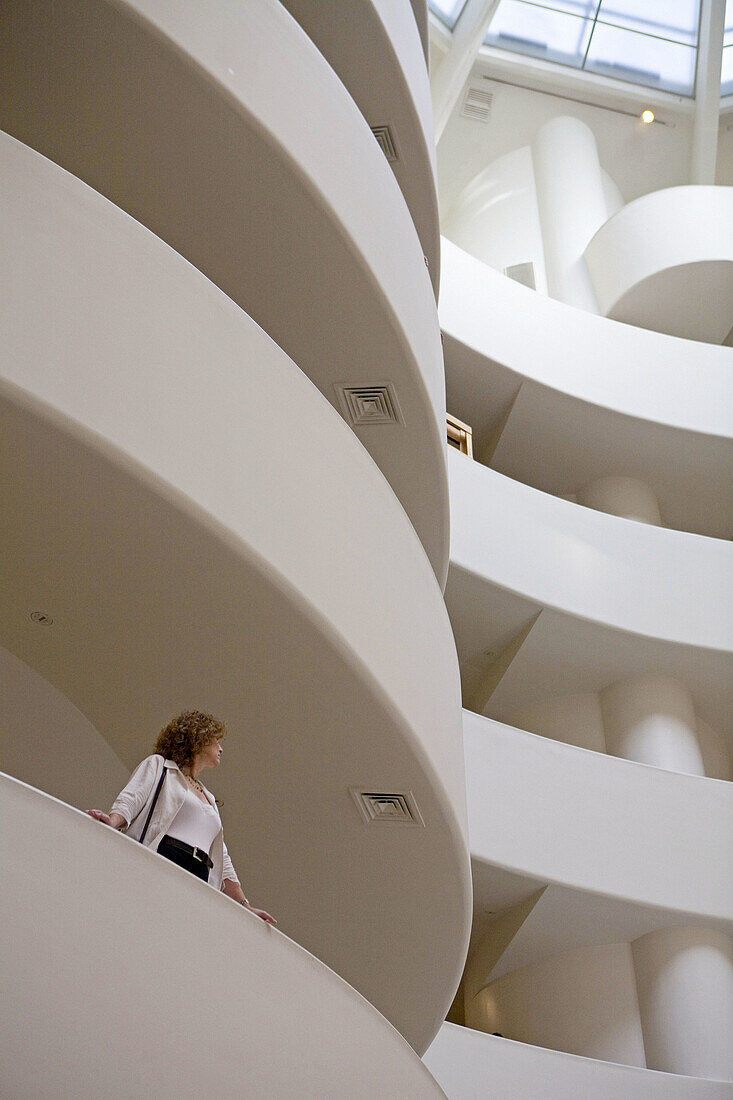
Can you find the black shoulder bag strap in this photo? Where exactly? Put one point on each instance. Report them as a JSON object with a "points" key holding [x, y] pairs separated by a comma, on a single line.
{"points": [[152, 805]]}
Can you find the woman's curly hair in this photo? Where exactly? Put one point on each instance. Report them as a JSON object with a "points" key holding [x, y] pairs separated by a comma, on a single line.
{"points": [[187, 734]]}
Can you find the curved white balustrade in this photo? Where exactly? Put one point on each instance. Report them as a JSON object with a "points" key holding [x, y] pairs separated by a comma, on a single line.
{"points": [[420, 11], [205, 530], [110, 939], [662, 1002], [614, 597], [606, 824], [595, 397], [471, 1065], [192, 119], [376, 49], [665, 262]]}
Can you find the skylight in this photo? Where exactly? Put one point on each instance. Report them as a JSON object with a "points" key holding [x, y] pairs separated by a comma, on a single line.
{"points": [[652, 44], [726, 78], [447, 11]]}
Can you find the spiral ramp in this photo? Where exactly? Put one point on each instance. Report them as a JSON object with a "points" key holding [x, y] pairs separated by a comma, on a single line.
{"points": [[189, 520], [202, 258], [596, 656]]}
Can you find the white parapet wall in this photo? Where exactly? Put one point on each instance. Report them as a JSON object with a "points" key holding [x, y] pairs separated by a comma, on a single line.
{"points": [[204, 529], [616, 839], [471, 1066], [665, 262], [131, 950], [558, 397], [283, 199], [549, 599], [376, 49]]}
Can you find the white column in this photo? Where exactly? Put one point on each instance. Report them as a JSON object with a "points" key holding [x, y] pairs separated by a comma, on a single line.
{"points": [[651, 718], [621, 496], [707, 92], [684, 981], [572, 205], [468, 34]]}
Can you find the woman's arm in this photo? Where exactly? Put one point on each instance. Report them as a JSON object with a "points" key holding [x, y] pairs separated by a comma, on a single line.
{"points": [[233, 890], [115, 821], [131, 800]]}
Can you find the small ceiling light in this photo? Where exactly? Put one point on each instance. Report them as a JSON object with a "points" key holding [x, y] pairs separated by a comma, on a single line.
{"points": [[647, 116], [42, 618]]}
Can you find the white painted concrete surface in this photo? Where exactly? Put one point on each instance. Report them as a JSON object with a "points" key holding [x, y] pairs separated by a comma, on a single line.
{"points": [[665, 262], [107, 937], [471, 1066]]}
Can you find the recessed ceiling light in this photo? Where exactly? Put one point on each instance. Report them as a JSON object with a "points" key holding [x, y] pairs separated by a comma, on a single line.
{"points": [[647, 116], [41, 617]]}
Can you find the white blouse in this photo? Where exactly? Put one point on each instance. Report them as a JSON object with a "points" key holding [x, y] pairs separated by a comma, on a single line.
{"points": [[196, 823], [134, 803]]}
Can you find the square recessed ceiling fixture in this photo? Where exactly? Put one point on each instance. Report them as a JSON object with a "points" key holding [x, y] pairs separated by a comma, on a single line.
{"points": [[362, 405], [387, 808]]}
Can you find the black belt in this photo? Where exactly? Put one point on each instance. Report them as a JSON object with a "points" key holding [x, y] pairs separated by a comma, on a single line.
{"points": [[197, 853]]}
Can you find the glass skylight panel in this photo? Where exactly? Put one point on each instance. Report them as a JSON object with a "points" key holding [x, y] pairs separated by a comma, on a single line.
{"points": [[447, 11], [726, 75], [647, 42], [677, 20], [586, 9], [540, 32], [641, 59]]}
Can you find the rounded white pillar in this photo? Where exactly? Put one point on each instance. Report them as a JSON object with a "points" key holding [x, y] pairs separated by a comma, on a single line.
{"points": [[651, 719], [684, 980], [572, 204], [621, 496]]}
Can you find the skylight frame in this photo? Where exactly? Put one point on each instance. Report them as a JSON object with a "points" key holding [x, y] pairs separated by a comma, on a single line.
{"points": [[664, 85], [448, 21]]}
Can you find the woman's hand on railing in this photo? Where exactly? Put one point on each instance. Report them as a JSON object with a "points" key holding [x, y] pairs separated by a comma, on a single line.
{"points": [[115, 821], [261, 913]]}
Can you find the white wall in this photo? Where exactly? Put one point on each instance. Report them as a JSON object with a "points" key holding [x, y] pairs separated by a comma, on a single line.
{"points": [[496, 218], [724, 168], [582, 1002], [665, 262], [574, 719], [640, 158], [473, 1066], [97, 918], [605, 823], [46, 741], [595, 566], [158, 451]]}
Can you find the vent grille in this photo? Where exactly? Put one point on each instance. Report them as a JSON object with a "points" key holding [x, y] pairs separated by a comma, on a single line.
{"points": [[477, 104], [362, 405], [391, 808], [522, 273], [386, 142]]}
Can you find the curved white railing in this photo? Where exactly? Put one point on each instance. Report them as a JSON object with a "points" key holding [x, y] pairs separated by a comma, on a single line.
{"points": [[605, 823], [117, 954], [589, 564], [204, 529], [287, 204], [597, 398], [469, 1064], [665, 262], [376, 50], [607, 592]]}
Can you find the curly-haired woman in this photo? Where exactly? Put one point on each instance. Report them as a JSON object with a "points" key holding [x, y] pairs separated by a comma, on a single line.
{"points": [[168, 809]]}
